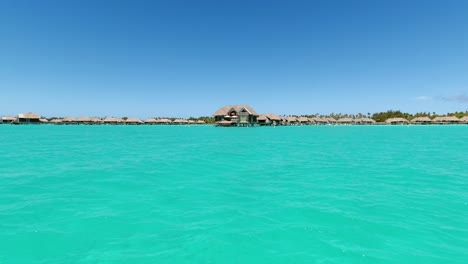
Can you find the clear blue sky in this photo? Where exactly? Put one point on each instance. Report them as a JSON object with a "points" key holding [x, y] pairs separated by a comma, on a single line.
{"points": [[188, 58]]}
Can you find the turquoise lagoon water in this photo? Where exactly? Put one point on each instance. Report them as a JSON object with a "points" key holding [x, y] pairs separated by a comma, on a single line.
{"points": [[200, 194]]}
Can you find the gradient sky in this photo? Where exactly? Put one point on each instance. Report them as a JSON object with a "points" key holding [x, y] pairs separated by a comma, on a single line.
{"points": [[188, 58]]}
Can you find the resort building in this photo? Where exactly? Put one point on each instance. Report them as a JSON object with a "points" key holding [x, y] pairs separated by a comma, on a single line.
{"points": [[164, 121], [112, 121], [84, 120], [318, 120], [180, 122], [236, 115], [464, 120], [56, 121], [8, 119], [345, 120], [29, 118], [421, 120], [133, 121], [396, 121], [150, 121], [69, 120], [446, 120], [269, 120], [303, 120], [366, 121]]}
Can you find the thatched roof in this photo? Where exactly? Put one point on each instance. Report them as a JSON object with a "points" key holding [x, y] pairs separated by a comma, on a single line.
{"points": [[446, 119], [96, 120], [238, 108], [201, 122], [273, 117], [464, 119], [331, 119], [29, 115], [165, 120], [291, 119], [262, 117], [270, 116], [397, 120], [303, 119], [43, 120], [191, 122], [84, 119], [180, 121], [8, 118], [150, 121], [56, 121], [133, 121], [112, 120], [69, 119], [319, 120], [345, 120], [367, 120], [423, 119]]}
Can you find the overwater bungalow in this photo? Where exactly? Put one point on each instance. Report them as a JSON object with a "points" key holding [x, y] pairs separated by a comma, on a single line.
{"points": [[84, 120], [366, 121], [56, 121], [69, 120], [8, 119], [179, 121], [303, 120], [236, 115], [133, 121], [96, 121], [345, 120], [396, 121], [43, 120], [331, 120], [269, 119], [150, 121], [201, 122], [446, 120], [421, 120], [164, 121], [191, 122], [292, 120], [29, 118], [319, 120], [464, 120], [112, 121]]}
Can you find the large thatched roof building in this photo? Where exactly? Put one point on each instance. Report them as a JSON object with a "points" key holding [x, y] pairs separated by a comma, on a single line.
{"points": [[238, 115], [29, 118]]}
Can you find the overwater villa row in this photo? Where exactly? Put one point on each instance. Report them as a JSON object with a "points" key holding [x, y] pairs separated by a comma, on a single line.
{"points": [[231, 115], [33, 118], [244, 115]]}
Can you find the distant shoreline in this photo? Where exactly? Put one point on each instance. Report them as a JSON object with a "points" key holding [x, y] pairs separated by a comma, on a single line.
{"points": [[244, 115]]}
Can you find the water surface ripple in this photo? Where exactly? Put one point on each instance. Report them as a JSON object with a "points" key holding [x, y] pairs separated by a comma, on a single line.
{"points": [[199, 194]]}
